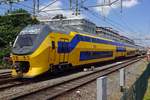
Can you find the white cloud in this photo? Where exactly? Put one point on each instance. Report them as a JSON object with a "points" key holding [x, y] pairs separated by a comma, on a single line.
{"points": [[48, 12], [130, 3], [105, 10]]}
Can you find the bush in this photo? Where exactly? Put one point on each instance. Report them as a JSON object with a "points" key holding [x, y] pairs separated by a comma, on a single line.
{"points": [[4, 52], [10, 25]]}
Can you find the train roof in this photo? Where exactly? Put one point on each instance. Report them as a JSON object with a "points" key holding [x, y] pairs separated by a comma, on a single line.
{"points": [[68, 29]]}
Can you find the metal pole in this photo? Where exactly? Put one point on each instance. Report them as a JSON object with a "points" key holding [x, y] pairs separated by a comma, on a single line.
{"points": [[34, 7], [38, 5], [70, 4], [102, 88], [76, 12], [122, 80], [10, 7], [121, 6]]}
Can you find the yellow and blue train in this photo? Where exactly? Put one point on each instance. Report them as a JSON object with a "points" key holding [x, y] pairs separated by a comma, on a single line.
{"points": [[41, 48]]}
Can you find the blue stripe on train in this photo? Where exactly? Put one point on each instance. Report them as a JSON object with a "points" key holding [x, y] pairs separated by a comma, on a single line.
{"points": [[88, 55], [69, 46], [120, 49]]}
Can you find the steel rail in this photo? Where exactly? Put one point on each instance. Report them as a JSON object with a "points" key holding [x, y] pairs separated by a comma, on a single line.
{"points": [[50, 92], [13, 83]]}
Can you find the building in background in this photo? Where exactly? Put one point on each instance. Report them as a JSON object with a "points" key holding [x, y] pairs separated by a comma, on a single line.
{"points": [[88, 27], [78, 23], [110, 33]]}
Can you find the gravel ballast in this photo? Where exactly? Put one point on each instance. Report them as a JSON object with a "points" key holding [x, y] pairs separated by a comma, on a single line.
{"points": [[88, 91]]}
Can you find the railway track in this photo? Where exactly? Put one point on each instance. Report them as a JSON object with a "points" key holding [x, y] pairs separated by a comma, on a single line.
{"points": [[13, 83], [52, 91], [5, 74], [6, 81], [5, 77]]}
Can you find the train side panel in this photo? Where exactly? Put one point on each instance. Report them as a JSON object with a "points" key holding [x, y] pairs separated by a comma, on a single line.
{"points": [[82, 52], [130, 51]]}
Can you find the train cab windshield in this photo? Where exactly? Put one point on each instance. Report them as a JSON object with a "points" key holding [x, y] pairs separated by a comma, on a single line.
{"points": [[29, 39]]}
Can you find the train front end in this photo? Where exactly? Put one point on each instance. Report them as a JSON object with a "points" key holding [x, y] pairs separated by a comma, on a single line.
{"points": [[30, 52]]}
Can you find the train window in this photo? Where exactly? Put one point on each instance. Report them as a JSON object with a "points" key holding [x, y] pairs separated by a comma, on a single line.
{"points": [[84, 38], [80, 38], [53, 44], [31, 30], [25, 40]]}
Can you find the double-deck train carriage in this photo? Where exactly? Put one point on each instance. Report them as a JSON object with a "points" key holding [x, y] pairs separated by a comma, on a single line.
{"points": [[120, 50], [131, 50], [141, 50], [39, 48]]}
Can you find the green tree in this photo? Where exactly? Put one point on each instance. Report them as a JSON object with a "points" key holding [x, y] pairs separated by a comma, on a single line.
{"points": [[10, 25]]}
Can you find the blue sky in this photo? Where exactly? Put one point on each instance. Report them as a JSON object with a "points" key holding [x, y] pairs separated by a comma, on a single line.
{"points": [[134, 21]]}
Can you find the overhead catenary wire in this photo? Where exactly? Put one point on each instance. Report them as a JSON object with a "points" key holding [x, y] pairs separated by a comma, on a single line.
{"points": [[79, 4], [73, 8], [125, 22], [138, 31], [48, 5], [119, 23], [54, 1], [101, 5], [108, 21], [59, 9], [41, 10]]}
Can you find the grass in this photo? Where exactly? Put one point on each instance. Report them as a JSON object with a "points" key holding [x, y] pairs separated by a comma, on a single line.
{"points": [[147, 95]]}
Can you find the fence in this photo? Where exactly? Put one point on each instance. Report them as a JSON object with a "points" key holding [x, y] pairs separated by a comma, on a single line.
{"points": [[138, 89]]}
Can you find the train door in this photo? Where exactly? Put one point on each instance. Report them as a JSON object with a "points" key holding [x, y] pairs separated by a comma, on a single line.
{"points": [[64, 48], [52, 55]]}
